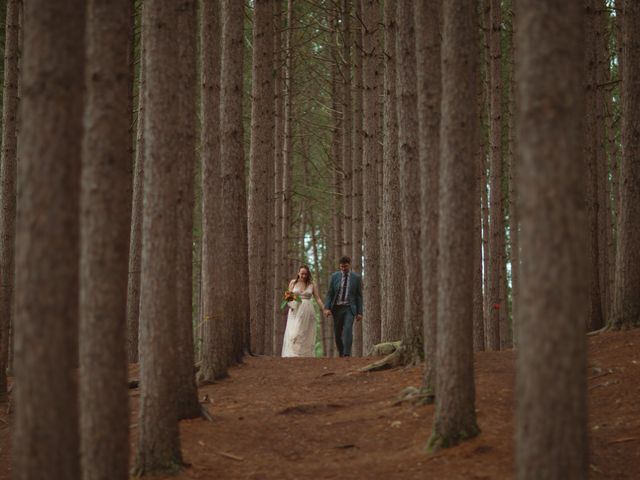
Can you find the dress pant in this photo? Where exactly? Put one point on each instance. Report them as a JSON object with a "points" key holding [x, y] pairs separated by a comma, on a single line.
{"points": [[343, 328]]}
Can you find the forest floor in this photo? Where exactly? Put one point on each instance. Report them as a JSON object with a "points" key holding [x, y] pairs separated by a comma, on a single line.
{"points": [[320, 419]]}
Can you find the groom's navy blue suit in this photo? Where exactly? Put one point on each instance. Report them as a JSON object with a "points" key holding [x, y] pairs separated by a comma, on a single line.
{"points": [[345, 309]]}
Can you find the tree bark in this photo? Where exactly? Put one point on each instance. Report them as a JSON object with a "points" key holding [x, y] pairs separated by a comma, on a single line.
{"points": [[287, 152], [234, 245], [555, 282], [356, 161], [428, 18], [10, 101], [498, 331], [410, 200], [158, 439], [626, 303], [595, 318], [605, 236], [185, 124], [135, 242], [216, 327], [279, 260], [371, 136], [104, 239], [47, 242], [260, 155], [392, 309], [347, 123], [455, 418]]}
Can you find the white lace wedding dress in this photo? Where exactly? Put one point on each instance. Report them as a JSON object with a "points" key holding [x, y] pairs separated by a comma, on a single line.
{"points": [[300, 334]]}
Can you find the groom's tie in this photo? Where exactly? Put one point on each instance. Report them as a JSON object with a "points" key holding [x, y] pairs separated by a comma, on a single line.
{"points": [[345, 278]]}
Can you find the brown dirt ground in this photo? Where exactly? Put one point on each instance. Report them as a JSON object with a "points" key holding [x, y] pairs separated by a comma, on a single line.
{"points": [[320, 419]]}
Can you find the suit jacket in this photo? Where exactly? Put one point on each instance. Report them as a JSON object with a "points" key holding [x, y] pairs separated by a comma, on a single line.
{"points": [[354, 294]]}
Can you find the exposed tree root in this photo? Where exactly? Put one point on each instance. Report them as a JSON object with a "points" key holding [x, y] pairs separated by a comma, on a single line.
{"points": [[385, 348], [415, 396], [397, 355], [439, 441]]}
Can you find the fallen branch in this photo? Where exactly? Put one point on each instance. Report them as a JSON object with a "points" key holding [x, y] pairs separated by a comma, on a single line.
{"points": [[231, 456], [622, 440]]}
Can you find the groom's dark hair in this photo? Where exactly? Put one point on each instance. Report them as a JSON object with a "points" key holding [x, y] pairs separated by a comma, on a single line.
{"points": [[345, 259]]}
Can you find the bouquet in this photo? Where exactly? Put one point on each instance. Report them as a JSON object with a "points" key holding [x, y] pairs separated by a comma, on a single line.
{"points": [[291, 299]]}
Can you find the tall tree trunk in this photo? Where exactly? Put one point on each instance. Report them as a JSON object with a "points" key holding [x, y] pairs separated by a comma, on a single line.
{"points": [[158, 439], [47, 242], [287, 151], [428, 18], [626, 303], [336, 139], [347, 123], [280, 274], [104, 242], [498, 332], [514, 219], [484, 188], [8, 181], [391, 253], [455, 418], [371, 119], [185, 124], [356, 162], [555, 282], [602, 171], [410, 201], [594, 319], [260, 155], [478, 296], [216, 326], [233, 196], [135, 242]]}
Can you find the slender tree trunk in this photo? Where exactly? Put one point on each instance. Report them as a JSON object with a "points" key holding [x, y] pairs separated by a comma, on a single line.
{"points": [[347, 123], [498, 331], [478, 297], [428, 18], [514, 219], [158, 439], [391, 252], [486, 27], [47, 243], [135, 242], [233, 195], [455, 418], [410, 200], [8, 181], [105, 214], [371, 118], [356, 161], [216, 326], [594, 319], [555, 282], [186, 392], [626, 303], [279, 260], [260, 155], [287, 152], [336, 141], [602, 171]]}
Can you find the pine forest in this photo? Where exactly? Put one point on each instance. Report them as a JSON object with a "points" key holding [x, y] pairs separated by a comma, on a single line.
{"points": [[315, 239]]}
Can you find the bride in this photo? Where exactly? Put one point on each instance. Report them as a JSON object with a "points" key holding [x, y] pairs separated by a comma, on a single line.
{"points": [[300, 334]]}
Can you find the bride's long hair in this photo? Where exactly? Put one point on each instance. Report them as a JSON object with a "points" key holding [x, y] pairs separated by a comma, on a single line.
{"points": [[309, 279]]}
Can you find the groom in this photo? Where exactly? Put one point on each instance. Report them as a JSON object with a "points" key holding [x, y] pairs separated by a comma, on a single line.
{"points": [[344, 302]]}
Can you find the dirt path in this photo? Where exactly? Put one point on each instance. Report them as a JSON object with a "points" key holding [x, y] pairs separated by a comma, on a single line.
{"points": [[320, 419]]}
